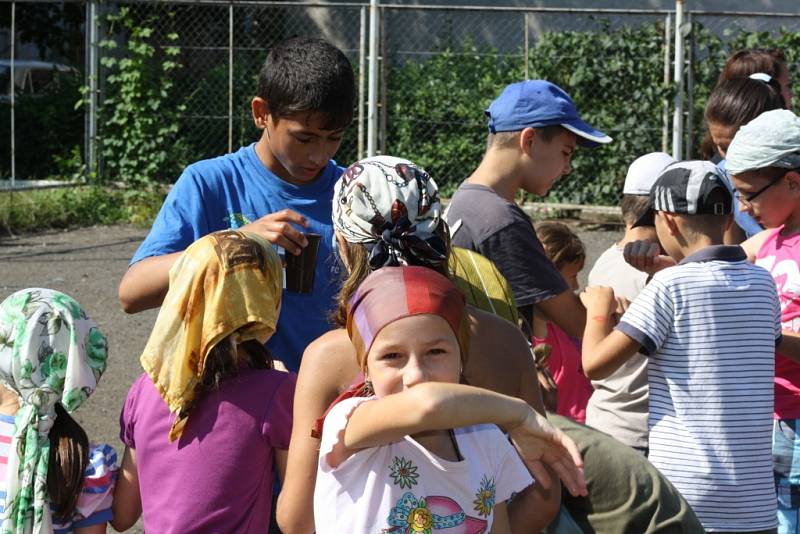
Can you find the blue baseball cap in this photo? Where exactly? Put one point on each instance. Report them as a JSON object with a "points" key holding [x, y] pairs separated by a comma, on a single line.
{"points": [[538, 103]]}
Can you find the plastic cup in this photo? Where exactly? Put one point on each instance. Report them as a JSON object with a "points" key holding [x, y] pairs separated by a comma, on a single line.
{"points": [[300, 269]]}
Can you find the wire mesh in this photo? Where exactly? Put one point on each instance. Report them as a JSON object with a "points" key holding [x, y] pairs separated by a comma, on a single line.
{"points": [[439, 69]]}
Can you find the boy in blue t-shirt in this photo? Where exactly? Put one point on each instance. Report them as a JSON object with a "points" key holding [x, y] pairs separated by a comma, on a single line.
{"points": [[278, 187]]}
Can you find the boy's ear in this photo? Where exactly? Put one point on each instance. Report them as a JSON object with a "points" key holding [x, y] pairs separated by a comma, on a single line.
{"points": [[260, 111], [728, 222], [793, 180], [526, 139], [672, 223]]}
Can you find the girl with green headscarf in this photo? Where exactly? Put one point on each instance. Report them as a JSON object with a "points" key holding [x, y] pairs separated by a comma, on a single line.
{"points": [[51, 357]]}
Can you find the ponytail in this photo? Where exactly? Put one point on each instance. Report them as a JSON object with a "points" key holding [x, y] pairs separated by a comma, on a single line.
{"points": [[69, 456]]}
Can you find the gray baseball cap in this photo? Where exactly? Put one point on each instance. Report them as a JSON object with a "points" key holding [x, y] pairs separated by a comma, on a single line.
{"points": [[685, 188], [770, 140]]}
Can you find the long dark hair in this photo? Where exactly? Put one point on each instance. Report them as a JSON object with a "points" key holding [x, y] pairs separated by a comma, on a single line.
{"points": [[226, 359], [735, 102], [69, 455]]}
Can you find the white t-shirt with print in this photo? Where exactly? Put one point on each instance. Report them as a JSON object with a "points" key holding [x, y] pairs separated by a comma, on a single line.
{"points": [[402, 487]]}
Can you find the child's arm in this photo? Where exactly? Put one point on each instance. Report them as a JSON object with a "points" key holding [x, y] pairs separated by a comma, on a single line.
{"points": [[144, 285], [752, 245], [565, 310], [100, 528], [439, 406], [790, 345], [127, 506], [500, 524], [280, 463], [646, 256], [327, 368], [604, 349]]}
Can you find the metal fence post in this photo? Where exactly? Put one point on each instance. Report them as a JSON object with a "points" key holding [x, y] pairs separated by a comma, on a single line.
{"points": [[362, 76], [92, 83], [665, 113], [372, 108], [677, 117], [230, 77], [383, 92], [526, 44], [690, 91], [12, 90]]}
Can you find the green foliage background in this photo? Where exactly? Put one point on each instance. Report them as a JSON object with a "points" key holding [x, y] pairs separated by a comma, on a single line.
{"points": [[153, 90], [615, 76]]}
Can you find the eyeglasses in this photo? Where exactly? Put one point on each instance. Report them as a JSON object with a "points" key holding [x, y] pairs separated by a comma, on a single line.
{"points": [[748, 199]]}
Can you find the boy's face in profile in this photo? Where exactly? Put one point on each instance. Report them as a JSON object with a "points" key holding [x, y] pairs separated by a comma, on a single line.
{"points": [[765, 194], [668, 242], [298, 147], [547, 161]]}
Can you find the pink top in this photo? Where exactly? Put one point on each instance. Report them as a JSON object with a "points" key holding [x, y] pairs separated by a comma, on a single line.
{"points": [[218, 476], [574, 389], [780, 255]]}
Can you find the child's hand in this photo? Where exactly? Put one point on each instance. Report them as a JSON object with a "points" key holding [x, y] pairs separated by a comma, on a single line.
{"points": [[646, 256], [277, 229], [538, 443], [599, 301]]}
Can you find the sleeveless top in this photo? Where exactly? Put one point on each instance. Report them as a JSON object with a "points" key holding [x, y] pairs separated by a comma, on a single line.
{"points": [[779, 255]]}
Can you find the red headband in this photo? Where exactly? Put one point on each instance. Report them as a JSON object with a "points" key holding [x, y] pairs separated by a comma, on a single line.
{"points": [[392, 293]]}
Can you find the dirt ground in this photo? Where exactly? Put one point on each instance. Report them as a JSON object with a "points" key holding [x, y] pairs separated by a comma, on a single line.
{"points": [[87, 263]]}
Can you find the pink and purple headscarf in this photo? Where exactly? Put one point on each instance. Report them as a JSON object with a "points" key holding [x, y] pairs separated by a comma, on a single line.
{"points": [[391, 293]]}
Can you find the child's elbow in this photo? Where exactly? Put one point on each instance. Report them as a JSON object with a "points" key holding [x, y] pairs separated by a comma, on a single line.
{"points": [[291, 521], [593, 371], [122, 522]]}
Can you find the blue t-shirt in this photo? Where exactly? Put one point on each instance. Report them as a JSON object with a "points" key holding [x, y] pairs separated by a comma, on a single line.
{"points": [[233, 190], [745, 221]]}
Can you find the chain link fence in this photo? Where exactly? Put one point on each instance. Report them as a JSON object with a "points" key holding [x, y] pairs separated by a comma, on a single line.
{"points": [[439, 68]]}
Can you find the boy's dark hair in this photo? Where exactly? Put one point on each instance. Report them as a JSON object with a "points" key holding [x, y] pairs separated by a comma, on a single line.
{"points": [[502, 139], [69, 455], [633, 207], [305, 75], [735, 102]]}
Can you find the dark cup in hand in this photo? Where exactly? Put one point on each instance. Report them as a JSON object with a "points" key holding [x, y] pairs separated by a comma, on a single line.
{"points": [[300, 269]]}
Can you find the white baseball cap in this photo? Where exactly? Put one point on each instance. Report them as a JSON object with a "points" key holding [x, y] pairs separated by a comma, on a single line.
{"points": [[644, 171]]}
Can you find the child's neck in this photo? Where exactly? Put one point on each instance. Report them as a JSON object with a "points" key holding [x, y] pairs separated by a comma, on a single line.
{"points": [[698, 244], [791, 225], [498, 172], [9, 401]]}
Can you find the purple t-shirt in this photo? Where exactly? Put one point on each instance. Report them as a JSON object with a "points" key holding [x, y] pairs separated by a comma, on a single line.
{"points": [[218, 476]]}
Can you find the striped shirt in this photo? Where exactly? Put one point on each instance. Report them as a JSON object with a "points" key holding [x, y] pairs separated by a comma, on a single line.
{"points": [[710, 326], [94, 502]]}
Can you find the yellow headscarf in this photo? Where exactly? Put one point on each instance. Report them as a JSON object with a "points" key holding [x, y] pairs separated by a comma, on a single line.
{"points": [[224, 283]]}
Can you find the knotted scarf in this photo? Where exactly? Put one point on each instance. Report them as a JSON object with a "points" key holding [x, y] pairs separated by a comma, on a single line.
{"points": [[50, 351], [392, 206], [225, 283]]}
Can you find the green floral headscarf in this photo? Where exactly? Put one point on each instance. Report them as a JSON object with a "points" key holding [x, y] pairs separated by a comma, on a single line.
{"points": [[50, 351]]}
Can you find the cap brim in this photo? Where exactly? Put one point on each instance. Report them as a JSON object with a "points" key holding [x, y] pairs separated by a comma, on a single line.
{"points": [[587, 136], [648, 218]]}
